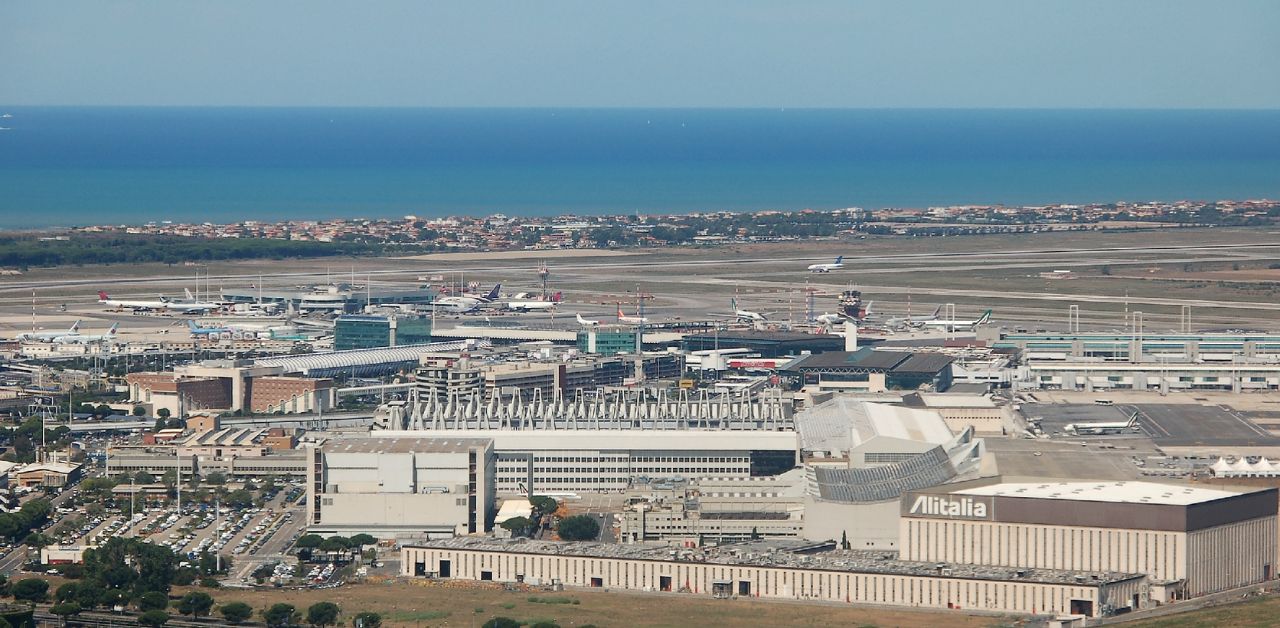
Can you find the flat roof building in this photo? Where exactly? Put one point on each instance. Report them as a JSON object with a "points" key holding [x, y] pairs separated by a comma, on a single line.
{"points": [[406, 487], [871, 370], [778, 570], [1191, 541]]}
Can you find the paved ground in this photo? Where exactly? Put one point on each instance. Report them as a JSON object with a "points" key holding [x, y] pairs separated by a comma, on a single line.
{"points": [[1062, 459], [1185, 425]]}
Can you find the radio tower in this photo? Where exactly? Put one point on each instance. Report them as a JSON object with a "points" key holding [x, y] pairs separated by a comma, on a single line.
{"points": [[544, 274]]}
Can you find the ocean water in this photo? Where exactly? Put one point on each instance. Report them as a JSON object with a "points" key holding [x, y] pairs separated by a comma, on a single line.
{"points": [[79, 166]]}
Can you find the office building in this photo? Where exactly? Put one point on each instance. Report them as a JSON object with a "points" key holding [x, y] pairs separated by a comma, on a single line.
{"points": [[401, 488], [371, 332]]}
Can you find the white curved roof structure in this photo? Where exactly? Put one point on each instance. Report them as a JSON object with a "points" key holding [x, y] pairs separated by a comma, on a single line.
{"points": [[362, 361]]}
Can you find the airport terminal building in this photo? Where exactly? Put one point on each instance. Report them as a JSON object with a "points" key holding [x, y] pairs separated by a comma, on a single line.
{"points": [[1191, 541]]}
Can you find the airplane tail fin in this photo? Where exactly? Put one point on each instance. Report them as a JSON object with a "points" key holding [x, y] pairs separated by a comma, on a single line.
{"points": [[493, 294], [102, 296], [866, 311], [986, 316], [937, 311], [187, 292], [114, 328], [557, 297], [75, 327], [839, 259], [733, 304], [192, 325]]}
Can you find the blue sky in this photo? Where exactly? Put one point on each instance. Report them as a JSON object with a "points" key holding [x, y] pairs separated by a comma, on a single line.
{"points": [[685, 53]]}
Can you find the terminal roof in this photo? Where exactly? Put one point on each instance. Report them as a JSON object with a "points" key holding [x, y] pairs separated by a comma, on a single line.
{"points": [[1118, 492]]}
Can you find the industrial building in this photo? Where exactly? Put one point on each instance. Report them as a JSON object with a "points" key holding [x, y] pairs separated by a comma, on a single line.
{"points": [[870, 370], [795, 571], [861, 457], [232, 385], [356, 331], [1130, 347], [961, 411], [1191, 541], [401, 488], [581, 461], [766, 344], [339, 297], [715, 509], [1151, 375]]}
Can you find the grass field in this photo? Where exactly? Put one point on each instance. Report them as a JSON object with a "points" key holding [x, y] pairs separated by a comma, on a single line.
{"points": [[410, 604], [1255, 613]]}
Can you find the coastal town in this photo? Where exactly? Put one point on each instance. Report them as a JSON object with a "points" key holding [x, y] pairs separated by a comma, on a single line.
{"points": [[500, 231]]}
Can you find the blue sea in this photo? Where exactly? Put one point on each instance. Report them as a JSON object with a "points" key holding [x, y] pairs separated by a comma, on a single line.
{"points": [[64, 166]]}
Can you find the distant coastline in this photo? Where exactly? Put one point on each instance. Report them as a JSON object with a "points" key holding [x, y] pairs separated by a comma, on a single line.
{"points": [[66, 166]]}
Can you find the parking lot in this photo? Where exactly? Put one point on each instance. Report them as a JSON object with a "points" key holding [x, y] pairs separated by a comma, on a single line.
{"points": [[243, 534]]}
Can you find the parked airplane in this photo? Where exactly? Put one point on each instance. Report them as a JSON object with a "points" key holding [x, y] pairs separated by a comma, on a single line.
{"points": [[635, 320], [839, 317], [163, 305], [953, 324], [84, 339], [826, 268], [586, 323], [534, 305], [464, 303], [1103, 427], [913, 321], [48, 336], [191, 300], [745, 315]]}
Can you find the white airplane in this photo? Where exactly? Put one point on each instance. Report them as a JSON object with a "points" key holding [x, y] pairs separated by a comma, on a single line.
{"points": [[586, 323], [745, 315], [191, 300], [826, 268], [48, 336], [954, 324], [163, 305], [635, 320], [838, 318], [913, 321], [1103, 427], [84, 339], [463, 303], [533, 305]]}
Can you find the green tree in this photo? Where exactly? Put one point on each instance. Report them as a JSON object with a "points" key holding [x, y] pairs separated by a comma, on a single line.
{"points": [[309, 541], [142, 477], [153, 618], [5, 587], [139, 411], [280, 615], [31, 590], [543, 505], [68, 591], [501, 622], [579, 528], [236, 612], [216, 478], [163, 413], [239, 498], [323, 614], [367, 620], [516, 525], [546, 623], [195, 604], [335, 544], [362, 539], [153, 601], [65, 610]]}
